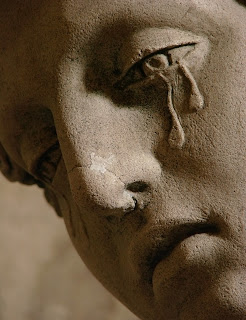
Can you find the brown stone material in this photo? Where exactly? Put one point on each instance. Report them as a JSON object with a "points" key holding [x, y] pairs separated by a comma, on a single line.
{"points": [[131, 115]]}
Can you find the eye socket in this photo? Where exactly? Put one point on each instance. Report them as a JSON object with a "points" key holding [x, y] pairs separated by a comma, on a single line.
{"points": [[143, 71], [47, 164]]}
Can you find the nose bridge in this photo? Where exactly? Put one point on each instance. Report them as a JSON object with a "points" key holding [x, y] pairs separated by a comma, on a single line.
{"points": [[117, 186], [102, 171]]}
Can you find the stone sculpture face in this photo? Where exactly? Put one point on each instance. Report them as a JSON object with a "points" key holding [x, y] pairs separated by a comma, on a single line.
{"points": [[132, 116]]}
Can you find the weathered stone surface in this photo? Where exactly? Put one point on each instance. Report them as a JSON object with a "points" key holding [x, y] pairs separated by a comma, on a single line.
{"points": [[131, 116]]}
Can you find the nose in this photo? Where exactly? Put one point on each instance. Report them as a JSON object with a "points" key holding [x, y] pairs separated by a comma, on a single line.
{"points": [[110, 169], [107, 192]]}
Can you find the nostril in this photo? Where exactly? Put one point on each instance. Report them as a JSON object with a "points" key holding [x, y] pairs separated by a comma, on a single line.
{"points": [[137, 186]]}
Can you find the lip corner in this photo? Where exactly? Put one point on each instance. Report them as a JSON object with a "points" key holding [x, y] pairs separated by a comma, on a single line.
{"points": [[158, 243]]}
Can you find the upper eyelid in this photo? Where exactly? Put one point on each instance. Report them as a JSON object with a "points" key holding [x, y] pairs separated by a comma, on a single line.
{"points": [[120, 81], [146, 42], [148, 55], [139, 60]]}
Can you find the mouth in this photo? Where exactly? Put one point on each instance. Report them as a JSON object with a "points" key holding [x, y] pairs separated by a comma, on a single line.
{"points": [[159, 241]]}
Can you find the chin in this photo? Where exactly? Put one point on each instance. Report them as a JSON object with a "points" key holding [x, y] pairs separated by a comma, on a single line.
{"points": [[224, 299]]}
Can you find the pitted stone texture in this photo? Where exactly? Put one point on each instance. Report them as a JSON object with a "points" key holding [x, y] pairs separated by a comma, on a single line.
{"points": [[131, 116]]}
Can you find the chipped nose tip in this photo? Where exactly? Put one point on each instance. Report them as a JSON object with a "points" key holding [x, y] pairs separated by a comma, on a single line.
{"points": [[130, 199], [130, 206], [106, 192], [127, 203]]}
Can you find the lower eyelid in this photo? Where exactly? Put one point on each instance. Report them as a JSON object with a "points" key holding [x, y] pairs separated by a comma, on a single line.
{"points": [[140, 83]]}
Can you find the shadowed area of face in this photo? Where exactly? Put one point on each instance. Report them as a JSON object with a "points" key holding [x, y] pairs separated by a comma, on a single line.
{"points": [[242, 2], [131, 116]]}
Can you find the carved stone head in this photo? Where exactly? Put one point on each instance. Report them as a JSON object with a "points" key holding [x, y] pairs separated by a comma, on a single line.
{"points": [[132, 117]]}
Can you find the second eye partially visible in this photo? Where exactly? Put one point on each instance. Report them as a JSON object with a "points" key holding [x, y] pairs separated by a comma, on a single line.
{"points": [[47, 164]]}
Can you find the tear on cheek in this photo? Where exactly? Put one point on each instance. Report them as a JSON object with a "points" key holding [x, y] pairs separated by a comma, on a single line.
{"points": [[196, 101]]}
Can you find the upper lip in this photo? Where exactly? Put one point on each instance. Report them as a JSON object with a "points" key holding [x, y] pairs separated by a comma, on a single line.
{"points": [[158, 241]]}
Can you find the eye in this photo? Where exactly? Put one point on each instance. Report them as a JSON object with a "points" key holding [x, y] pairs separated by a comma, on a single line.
{"points": [[47, 164], [156, 63], [145, 70], [140, 72]]}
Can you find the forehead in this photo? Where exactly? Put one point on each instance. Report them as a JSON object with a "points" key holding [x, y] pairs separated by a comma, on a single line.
{"points": [[77, 10], [48, 29], [90, 15], [57, 24], [54, 28]]}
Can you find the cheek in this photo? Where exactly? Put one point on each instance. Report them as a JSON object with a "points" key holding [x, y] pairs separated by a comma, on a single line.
{"points": [[224, 79], [59, 194], [217, 133], [89, 232]]}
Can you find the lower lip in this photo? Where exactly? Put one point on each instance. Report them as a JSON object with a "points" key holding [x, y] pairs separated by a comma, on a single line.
{"points": [[194, 253]]}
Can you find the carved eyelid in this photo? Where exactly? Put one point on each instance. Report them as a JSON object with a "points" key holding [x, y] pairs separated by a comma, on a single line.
{"points": [[127, 80], [164, 51], [148, 42]]}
